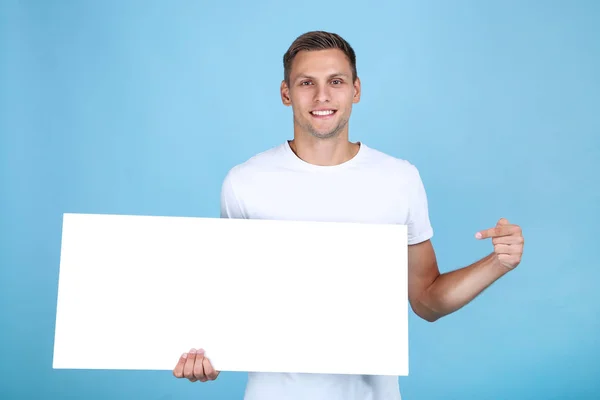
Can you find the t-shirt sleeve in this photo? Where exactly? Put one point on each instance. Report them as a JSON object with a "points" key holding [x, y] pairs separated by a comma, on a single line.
{"points": [[230, 202], [419, 225]]}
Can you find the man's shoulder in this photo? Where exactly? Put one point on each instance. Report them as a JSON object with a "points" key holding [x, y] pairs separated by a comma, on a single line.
{"points": [[262, 161], [388, 162]]}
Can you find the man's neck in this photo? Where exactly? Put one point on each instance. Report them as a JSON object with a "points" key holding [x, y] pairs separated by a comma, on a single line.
{"points": [[324, 152]]}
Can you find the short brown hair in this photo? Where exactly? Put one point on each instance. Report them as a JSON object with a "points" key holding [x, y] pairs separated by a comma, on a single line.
{"points": [[318, 40]]}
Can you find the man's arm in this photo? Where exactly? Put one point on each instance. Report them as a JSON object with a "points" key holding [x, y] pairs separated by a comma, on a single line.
{"points": [[433, 295], [231, 205]]}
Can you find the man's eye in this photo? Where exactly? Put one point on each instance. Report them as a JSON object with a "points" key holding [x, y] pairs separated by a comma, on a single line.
{"points": [[305, 83], [336, 81]]}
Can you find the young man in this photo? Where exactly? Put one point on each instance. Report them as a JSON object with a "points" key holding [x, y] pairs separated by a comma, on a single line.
{"points": [[321, 176]]}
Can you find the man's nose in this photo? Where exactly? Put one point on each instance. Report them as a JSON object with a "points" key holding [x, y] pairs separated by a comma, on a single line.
{"points": [[322, 94]]}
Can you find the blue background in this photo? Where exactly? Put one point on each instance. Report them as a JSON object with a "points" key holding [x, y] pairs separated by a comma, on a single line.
{"points": [[141, 107]]}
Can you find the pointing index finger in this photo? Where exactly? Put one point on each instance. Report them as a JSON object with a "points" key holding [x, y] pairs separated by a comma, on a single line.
{"points": [[501, 230]]}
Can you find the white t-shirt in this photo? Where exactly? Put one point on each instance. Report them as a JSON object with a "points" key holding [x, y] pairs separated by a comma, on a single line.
{"points": [[372, 187]]}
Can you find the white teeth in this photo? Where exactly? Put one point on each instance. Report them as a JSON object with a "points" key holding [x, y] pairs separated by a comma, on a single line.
{"points": [[326, 112]]}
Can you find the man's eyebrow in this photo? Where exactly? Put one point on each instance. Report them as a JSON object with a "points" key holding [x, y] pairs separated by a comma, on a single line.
{"points": [[338, 74]]}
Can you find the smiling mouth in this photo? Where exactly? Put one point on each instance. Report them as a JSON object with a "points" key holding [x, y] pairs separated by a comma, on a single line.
{"points": [[322, 113]]}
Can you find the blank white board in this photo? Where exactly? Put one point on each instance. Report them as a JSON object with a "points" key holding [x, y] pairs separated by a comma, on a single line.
{"points": [[135, 292]]}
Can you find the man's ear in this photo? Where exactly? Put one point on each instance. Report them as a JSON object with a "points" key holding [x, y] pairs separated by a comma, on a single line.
{"points": [[357, 90], [285, 94]]}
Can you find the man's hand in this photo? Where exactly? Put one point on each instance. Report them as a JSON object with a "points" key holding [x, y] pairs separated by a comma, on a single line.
{"points": [[195, 367], [508, 242]]}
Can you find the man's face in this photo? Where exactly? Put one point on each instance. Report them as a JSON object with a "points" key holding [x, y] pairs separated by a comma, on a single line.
{"points": [[321, 92]]}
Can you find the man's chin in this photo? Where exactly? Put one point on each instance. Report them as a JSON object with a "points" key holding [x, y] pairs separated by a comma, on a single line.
{"points": [[325, 135]]}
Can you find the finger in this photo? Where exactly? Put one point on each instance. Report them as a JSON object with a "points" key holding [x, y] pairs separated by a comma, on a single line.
{"points": [[178, 370], [508, 240], [506, 249], [503, 221], [199, 367], [188, 368], [209, 370], [502, 230]]}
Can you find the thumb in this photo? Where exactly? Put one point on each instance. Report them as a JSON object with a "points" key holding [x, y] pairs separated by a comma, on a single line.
{"points": [[502, 221]]}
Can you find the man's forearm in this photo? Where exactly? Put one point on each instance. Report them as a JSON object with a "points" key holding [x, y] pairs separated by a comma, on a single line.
{"points": [[453, 290]]}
